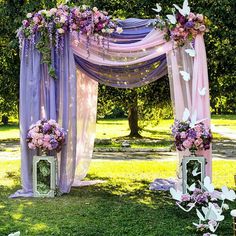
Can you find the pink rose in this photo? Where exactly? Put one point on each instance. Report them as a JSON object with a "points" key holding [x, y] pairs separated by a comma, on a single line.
{"points": [[200, 17], [185, 198], [187, 144], [183, 135], [191, 16], [47, 138], [31, 146], [40, 142], [202, 28], [36, 19], [198, 142]]}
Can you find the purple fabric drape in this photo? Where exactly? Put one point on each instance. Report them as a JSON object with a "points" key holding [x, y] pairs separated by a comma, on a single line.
{"points": [[134, 58]]}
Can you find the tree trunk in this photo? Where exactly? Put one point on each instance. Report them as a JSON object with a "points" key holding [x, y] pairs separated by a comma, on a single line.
{"points": [[5, 120], [133, 118]]}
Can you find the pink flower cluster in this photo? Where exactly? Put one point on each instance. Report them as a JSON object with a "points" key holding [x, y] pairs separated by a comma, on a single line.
{"points": [[181, 27], [46, 135], [63, 19], [187, 28], [194, 138]]}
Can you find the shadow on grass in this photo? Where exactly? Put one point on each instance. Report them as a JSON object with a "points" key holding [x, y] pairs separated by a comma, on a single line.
{"points": [[102, 210]]}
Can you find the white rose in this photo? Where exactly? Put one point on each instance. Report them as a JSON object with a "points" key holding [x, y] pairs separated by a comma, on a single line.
{"points": [[62, 19], [42, 11], [225, 206], [29, 15], [119, 30], [103, 30], [111, 31], [61, 31], [95, 9], [48, 14], [84, 7], [53, 11]]}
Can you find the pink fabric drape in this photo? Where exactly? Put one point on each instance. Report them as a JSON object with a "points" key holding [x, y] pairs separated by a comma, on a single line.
{"points": [[185, 94]]}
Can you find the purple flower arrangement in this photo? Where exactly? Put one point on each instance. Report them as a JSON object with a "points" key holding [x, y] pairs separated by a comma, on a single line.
{"points": [[194, 138], [187, 28], [47, 28], [46, 135]]}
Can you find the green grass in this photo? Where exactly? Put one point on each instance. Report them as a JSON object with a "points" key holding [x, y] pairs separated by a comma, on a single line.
{"points": [[228, 121], [122, 205], [10, 131]]}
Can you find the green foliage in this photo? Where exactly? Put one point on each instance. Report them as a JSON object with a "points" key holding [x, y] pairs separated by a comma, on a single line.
{"points": [[43, 176]]}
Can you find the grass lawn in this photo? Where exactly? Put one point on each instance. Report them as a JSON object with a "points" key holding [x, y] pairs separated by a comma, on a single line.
{"points": [[228, 121], [122, 205]]}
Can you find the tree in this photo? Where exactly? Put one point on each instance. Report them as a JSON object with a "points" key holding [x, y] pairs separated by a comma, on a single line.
{"points": [[220, 43]]}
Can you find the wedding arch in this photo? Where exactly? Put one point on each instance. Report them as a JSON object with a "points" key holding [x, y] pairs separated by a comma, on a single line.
{"points": [[63, 58]]}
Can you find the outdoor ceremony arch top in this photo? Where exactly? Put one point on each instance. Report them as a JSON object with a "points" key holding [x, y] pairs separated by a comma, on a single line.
{"points": [[137, 56]]}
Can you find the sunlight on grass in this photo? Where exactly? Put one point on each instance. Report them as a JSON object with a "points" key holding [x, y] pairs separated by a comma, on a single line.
{"points": [[9, 132]]}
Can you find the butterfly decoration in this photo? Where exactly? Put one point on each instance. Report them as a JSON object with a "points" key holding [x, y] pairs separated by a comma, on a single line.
{"points": [[172, 18], [195, 173], [185, 75], [176, 194], [228, 194], [185, 10], [192, 187], [207, 185], [202, 91], [158, 8], [193, 118], [15, 234]]}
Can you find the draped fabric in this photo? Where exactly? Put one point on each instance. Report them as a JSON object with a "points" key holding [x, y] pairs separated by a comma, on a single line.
{"points": [[134, 58], [185, 94]]}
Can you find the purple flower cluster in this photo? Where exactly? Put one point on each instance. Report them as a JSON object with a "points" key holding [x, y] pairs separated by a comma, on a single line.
{"points": [[46, 135], [58, 21], [198, 137], [200, 197]]}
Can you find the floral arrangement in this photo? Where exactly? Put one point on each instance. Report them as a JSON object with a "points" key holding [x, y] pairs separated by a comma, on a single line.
{"points": [[191, 136], [209, 204], [181, 26], [46, 135], [53, 24]]}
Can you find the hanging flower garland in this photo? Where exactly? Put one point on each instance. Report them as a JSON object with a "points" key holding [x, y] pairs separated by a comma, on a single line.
{"points": [[52, 25], [182, 26]]}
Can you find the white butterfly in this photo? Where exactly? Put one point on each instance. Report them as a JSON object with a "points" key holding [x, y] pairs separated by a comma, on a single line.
{"points": [[15, 234], [195, 173], [186, 114], [194, 121], [185, 75], [191, 52], [202, 91], [192, 187], [210, 213], [228, 194], [185, 10], [172, 18], [176, 194], [207, 185], [191, 206], [158, 9]]}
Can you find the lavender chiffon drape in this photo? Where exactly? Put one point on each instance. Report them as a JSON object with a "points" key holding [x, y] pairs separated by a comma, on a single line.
{"points": [[136, 57]]}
